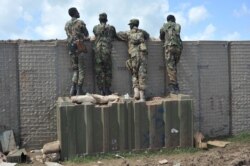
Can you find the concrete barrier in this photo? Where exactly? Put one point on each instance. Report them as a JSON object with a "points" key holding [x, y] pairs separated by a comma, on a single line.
{"points": [[130, 125]]}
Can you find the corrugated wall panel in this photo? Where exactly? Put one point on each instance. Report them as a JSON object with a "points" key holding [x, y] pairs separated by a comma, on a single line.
{"points": [[187, 74], [121, 82], [64, 70], [214, 88], [37, 92], [155, 70], [240, 80], [9, 106]]}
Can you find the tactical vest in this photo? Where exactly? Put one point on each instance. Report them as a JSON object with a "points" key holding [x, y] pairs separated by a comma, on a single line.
{"points": [[72, 30], [104, 33], [136, 42], [172, 34]]}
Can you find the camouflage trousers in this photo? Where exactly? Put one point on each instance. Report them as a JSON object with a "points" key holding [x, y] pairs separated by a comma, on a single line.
{"points": [[172, 57], [103, 68], [137, 65], [77, 62]]}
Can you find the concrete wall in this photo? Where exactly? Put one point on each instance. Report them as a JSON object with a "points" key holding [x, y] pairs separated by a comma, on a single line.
{"points": [[9, 93], [35, 73], [240, 86], [124, 125]]}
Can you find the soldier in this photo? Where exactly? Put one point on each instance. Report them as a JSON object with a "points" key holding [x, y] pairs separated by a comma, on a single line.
{"points": [[170, 33], [104, 35], [136, 63], [76, 33]]}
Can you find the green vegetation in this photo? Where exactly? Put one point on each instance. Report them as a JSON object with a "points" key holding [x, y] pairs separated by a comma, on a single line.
{"points": [[150, 153], [240, 138]]}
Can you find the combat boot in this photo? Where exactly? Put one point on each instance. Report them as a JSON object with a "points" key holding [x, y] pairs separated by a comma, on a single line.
{"points": [[101, 91], [176, 88], [142, 96], [79, 90], [171, 88], [136, 94], [107, 91], [73, 90]]}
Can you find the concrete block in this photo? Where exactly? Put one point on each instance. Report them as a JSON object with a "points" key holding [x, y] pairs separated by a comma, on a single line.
{"points": [[130, 124], [110, 128], [122, 114], [156, 125], [62, 126], [97, 124], [141, 125], [88, 119], [80, 129], [186, 123], [172, 123], [71, 128]]}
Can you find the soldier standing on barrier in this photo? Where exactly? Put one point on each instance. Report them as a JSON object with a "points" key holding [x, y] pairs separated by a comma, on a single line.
{"points": [[76, 34], [170, 34], [104, 35], [136, 63]]}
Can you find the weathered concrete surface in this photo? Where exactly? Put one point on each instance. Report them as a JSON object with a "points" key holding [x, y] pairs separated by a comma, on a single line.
{"points": [[34, 73], [133, 125]]}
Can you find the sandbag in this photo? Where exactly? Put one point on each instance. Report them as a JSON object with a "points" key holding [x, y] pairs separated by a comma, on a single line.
{"points": [[100, 99], [83, 99], [51, 147]]}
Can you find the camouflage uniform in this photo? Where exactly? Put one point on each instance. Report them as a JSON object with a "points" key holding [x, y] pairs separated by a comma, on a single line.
{"points": [[137, 50], [170, 33], [76, 30], [104, 35]]}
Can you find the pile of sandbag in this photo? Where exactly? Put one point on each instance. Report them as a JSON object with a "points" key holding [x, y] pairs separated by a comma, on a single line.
{"points": [[95, 99], [51, 152]]}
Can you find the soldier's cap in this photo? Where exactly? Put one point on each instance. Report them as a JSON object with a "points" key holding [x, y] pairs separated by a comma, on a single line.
{"points": [[134, 22], [103, 16]]}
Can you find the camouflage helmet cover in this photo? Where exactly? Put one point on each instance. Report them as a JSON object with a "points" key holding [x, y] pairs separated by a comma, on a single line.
{"points": [[103, 16], [134, 22], [171, 18]]}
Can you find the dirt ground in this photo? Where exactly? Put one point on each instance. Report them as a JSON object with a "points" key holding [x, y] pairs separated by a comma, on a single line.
{"points": [[234, 154]]}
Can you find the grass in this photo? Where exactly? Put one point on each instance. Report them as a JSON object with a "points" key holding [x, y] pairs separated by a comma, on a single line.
{"points": [[240, 138], [133, 154]]}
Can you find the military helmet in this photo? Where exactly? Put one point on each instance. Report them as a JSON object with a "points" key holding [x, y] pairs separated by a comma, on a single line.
{"points": [[134, 22], [171, 18], [103, 16], [72, 11]]}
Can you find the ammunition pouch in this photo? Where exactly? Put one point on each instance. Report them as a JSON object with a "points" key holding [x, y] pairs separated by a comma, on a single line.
{"points": [[81, 47], [143, 47], [72, 47]]}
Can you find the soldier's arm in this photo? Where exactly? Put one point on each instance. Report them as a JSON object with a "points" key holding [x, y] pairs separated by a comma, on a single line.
{"points": [[83, 29], [145, 34], [95, 30], [113, 31], [66, 29], [122, 36], [178, 28], [162, 34]]}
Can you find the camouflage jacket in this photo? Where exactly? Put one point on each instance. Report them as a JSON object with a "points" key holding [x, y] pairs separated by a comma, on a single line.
{"points": [[170, 33], [104, 35], [136, 40], [75, 30]]}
